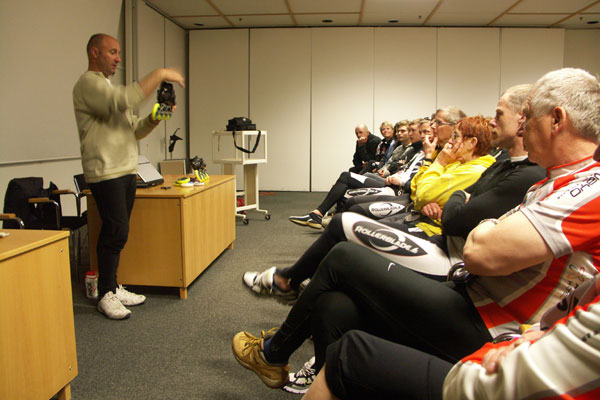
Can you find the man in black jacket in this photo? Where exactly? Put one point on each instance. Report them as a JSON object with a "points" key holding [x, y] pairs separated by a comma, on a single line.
{"points": [[366, 147]]}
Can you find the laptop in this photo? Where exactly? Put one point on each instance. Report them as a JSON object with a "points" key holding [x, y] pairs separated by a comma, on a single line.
{"points": [[147, 175]]}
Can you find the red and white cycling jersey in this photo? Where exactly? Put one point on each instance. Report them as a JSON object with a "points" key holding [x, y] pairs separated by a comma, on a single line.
{"points": [[565, 210], [562, 364]]}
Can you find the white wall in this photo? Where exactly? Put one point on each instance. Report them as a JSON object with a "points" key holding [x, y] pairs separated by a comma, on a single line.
{"points": [[40, 70], [279, 66], [357, 75]]}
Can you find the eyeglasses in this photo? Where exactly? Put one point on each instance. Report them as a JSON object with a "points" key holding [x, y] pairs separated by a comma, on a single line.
{"points": [[456, 136], [440, 123]]}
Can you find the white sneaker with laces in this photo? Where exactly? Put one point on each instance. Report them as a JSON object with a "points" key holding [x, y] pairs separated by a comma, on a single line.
{"points": [[128, 298], [261, 283], [301, 380], [111, 306]]}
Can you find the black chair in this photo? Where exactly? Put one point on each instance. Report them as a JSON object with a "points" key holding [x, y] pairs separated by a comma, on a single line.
{"points": [[12, 217]]}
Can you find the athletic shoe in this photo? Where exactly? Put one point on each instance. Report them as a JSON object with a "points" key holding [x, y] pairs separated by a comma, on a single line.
{"points": [[129, 299], [301, 380], [247, 351], [111, 306], [313, 220], [261, 283]]}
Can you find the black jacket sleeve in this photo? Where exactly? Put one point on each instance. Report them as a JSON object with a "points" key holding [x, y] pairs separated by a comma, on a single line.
{"points": [[459, 218], [367, 152]]}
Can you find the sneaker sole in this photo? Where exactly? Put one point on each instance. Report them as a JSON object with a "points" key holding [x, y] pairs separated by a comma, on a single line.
{"points": [[280, 299], [314, 225], [109, 317], [133, 305], [291, 389], [301, 223], [273, 384]]}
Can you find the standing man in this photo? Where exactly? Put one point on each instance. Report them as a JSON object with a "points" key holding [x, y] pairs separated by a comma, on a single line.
{"points": [[108, 134], [366, 147]]}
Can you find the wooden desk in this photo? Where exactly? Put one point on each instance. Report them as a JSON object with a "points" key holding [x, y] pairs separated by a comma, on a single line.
{"points": [[174, 234], [38, 357]]}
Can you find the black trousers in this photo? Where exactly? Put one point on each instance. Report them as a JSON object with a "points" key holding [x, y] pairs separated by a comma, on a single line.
{"points": [[433, 262], [347, 180], [355, 288], [362, 366], [114, 198]]}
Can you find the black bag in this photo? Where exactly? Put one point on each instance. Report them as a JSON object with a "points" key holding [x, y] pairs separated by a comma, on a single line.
{"points": [[240, 124]]}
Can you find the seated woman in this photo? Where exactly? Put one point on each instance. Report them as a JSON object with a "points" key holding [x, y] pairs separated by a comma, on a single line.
{"points": [[459, 164], [351, 179], [511, 369]]}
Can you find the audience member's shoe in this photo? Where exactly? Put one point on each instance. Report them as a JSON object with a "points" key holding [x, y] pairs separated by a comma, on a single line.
{"points": [[111, 306], [313, 220], [301, 380], [128, 298], [247, 351], [326, 220], [261, 283]]}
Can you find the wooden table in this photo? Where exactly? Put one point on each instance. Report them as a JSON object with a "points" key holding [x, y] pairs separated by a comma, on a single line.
{"points": [[174, 234], [38, 357]]}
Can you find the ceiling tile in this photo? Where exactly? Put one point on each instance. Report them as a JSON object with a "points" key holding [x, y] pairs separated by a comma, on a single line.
{"points": [[325, 7], [262, 20], [208, 22], [238, 7], [529, 20], [580, 21], [338, 19], [551, 6], [183, 7], [406, 12]]}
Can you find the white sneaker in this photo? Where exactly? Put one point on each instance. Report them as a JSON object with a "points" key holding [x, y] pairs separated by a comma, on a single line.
{"points": [[111, 306], [128, 298], [262, 283], [300, 381]]}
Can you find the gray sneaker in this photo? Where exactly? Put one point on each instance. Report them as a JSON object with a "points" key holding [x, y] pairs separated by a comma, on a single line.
{"points": [[261, 283], [300, 381], [111, 306]]}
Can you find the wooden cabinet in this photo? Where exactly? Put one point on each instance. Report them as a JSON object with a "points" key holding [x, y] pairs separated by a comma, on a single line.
{"points": [[174, 233], [38, 357]]}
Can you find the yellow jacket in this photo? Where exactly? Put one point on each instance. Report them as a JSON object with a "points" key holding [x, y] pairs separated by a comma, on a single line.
{"points": [[436, 183]]}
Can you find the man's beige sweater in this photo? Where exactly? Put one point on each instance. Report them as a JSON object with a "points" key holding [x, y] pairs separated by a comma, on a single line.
{"points": [[108, 129]]}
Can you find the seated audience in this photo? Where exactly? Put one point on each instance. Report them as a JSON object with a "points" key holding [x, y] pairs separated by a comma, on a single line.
{"points": [[442, 130], [384, 148], [521, 264], [366, 147], [557, 361]]}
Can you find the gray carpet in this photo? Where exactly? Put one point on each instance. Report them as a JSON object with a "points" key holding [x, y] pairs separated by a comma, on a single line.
{"points": [[181, 349]]}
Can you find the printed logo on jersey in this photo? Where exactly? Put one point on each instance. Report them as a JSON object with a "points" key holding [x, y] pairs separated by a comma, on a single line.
{"points": [[382, 238], [362, 192], [580, 187], [385, 209]]}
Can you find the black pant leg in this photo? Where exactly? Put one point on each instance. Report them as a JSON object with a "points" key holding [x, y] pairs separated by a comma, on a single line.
{"points": [[408, 308], [308, 263], [362, 366], [114, 199]]}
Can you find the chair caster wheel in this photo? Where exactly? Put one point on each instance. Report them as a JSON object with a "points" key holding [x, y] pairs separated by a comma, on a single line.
{"points": [[267, 216], [245, 221]]}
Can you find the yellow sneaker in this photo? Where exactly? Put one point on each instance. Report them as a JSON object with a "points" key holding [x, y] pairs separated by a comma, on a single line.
{"points": [[247, 351]]}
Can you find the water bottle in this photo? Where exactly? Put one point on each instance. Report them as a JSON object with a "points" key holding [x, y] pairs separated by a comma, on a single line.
{"points": [[91, 285]]}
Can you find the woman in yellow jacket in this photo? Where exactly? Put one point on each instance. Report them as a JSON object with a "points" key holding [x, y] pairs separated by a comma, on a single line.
{"points": [[458, 165]]}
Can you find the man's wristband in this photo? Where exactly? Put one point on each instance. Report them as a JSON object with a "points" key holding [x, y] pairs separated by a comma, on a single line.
{"points": [[426, 159]]}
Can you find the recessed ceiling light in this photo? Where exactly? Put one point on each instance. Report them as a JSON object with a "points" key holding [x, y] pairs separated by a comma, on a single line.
{"points": [[199, 24], [592, 22], [327, 21], [393, 21]]}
